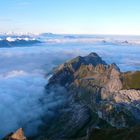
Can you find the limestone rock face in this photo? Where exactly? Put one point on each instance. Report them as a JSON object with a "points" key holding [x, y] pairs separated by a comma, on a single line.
{"points": [[114, 83]]}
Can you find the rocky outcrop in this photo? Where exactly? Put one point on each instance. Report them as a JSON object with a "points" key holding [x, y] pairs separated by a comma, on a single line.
{"points": [[18, 135], [102, 89], [64, 74]]}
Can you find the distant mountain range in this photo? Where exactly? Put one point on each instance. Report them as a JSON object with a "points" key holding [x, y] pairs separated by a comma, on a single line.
{"points": [[17, 41], [14, 40]]}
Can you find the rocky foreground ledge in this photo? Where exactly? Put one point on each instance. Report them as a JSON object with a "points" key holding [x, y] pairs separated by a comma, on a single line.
{"points": [[18, 135], [102, 102]]}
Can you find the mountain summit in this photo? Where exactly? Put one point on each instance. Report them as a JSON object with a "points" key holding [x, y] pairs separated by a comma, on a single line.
{"points": [[100, 96]]}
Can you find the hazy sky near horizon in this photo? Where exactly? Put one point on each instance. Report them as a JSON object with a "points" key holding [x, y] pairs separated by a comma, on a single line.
{"points": [[71, 16]]}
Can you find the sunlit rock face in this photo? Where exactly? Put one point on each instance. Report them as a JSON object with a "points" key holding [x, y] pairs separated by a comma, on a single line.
{"points": [[18, 135]]}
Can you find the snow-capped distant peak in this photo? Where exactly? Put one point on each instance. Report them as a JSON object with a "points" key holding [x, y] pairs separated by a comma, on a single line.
{"points": [[10, 39]]}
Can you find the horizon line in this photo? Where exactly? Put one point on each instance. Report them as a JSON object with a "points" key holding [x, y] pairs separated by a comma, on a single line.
{"points": [[38, 33]]}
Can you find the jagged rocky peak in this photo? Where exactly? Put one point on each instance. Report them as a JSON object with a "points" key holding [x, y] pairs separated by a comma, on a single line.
{"points": [[64, 74], [75, 63], [92, 59], [103, 87], [93, 67], [90, 67]]}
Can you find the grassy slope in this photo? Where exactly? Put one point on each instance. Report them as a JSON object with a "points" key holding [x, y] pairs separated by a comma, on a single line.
{"points": [[131, 80]]}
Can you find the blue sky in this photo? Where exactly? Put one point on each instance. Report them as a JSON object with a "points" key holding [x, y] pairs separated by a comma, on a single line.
{"points": [[71, 16]]}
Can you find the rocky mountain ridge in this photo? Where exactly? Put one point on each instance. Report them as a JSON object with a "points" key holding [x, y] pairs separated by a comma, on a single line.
{"points": [[101, 101], [106, 91]]}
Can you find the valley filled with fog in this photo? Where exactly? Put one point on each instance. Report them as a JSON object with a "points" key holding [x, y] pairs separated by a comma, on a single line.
{"points": [[23, 73]]}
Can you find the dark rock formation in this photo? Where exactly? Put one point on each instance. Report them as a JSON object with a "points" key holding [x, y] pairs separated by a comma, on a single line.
{"points": [[114, 134]]}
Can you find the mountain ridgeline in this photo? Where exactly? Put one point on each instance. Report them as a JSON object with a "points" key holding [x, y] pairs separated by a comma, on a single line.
{"points": [[102, 103], [5, 43]]}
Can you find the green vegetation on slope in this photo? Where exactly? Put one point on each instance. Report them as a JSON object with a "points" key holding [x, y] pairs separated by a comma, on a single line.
{"points": [[131, 80]]}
